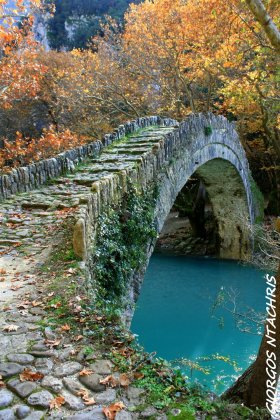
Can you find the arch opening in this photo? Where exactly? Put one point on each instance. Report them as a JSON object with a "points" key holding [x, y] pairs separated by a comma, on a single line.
{"points": [[221, 216], [191, 227]]}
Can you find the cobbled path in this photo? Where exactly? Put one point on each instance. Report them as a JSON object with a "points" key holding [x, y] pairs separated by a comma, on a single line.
{"points": [[29, 228]]}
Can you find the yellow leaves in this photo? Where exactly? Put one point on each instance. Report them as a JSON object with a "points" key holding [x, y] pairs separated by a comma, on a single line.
{"points": [[31, 150], [228, 64]]}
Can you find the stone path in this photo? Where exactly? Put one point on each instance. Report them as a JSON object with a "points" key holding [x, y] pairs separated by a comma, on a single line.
{"points": [[30, 227]]}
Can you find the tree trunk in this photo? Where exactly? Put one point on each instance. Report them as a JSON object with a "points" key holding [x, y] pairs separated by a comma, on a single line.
{"points": [[251, 388], [269, 27]]}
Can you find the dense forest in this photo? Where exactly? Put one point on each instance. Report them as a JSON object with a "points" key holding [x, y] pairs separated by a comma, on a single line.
{"points": [[84, 16]]}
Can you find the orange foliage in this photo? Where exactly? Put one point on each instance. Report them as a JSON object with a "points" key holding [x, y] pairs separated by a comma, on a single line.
{"points": [[23, 151], [20, 73], [173, 57]]}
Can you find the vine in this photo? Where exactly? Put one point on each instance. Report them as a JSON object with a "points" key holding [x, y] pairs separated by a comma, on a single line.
{"points": [[123, 236]]}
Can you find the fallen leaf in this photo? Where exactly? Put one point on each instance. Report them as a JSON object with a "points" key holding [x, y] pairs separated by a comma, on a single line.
{"points": [[79, 337], [110, 380], [138, 375], [126, 351], [71, 271], [28, 375], [124, 380], [14, 288], [57, 402], [78, 308], [111, 411], [65, 327], [83, 393], [56, 305], [36, 303], [52, 343], [10, 328], [2, 384], [89, 401], [3, 271], [118, 343], [85, 372]]}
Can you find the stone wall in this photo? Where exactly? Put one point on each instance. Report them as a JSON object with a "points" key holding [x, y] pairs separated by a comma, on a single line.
{"points": [[33, 176]]}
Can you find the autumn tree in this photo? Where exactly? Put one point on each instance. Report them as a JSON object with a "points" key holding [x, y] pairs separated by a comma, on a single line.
{"points": [[209, 56], [19, 71], [25, 80]]}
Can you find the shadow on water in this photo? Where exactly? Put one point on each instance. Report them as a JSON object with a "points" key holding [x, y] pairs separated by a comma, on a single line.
{"points": [[184, 311]]}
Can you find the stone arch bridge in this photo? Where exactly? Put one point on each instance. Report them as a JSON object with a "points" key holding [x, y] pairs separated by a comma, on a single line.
{"points": [[147, 152], [166, 154]]}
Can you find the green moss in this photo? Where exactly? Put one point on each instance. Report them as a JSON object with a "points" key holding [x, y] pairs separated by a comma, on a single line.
{"points": [[186, 413], [208, 130], [123, 236]]}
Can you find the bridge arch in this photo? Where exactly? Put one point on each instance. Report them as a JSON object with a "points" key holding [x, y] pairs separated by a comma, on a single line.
{"points": [[225, 175], [165, 154], [209, 147]]}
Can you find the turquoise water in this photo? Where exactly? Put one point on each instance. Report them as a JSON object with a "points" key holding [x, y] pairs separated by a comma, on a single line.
{"points": [[174, 314]]}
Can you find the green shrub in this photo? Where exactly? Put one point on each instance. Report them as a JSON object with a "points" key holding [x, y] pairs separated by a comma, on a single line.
{"points": [[123, 237]]}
